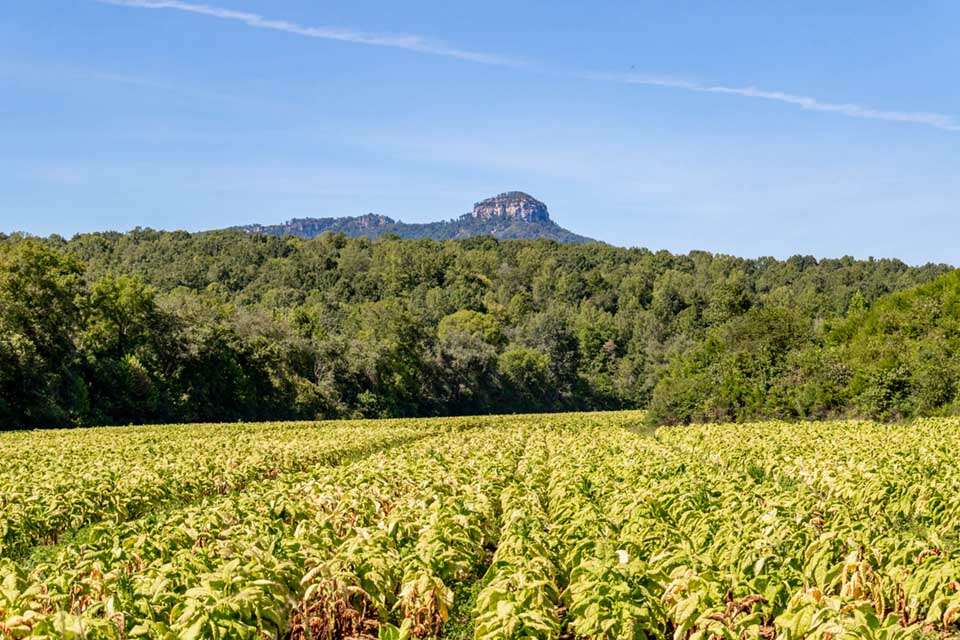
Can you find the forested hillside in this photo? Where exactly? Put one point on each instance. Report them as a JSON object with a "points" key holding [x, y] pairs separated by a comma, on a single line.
{"points": [[169, 326], [513, 215], [373, 226]]}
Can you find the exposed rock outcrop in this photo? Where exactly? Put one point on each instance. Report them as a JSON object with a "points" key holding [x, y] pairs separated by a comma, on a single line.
{"points": [[512, 204]]}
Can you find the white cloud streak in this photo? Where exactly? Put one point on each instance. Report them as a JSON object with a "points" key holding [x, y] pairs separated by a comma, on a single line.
{"points": [[936, 120], [394, 41], [421, 45]]}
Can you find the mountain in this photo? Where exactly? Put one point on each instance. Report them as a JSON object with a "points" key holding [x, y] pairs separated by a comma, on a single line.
{"points": [[509, 216]]}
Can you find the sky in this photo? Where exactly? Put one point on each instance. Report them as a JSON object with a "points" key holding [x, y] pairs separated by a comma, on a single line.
{"points": [[748, 128]]}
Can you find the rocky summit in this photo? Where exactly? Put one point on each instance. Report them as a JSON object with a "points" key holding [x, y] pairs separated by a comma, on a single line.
{"points": [[513, 215], [512, 204]]}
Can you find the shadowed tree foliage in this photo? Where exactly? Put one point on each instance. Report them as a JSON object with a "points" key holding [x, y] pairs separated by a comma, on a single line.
{"points": [[151, 326], [40, 316]]}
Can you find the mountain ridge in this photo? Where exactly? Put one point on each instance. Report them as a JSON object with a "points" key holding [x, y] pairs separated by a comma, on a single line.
{"points": [[512, 215]]}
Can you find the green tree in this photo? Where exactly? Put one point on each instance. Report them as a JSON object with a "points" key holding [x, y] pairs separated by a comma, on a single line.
{"points": [[40, 291], [481, 326], [526, 378]]}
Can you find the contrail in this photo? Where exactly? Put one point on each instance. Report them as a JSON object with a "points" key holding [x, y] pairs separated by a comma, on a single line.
{"points": [[395, 41], [937, 120], [421, 45]]}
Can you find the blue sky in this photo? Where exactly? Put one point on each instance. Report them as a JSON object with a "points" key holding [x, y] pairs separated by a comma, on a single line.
{"points": [[751, 128]]}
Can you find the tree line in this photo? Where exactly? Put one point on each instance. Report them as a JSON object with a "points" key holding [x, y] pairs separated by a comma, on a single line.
{"points": [[151, 326]]}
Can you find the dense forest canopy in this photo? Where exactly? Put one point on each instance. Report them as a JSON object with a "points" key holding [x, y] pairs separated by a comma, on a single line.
{"points": [[152, 326]]}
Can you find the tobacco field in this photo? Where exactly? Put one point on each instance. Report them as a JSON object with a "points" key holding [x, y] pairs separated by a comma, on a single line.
{"points": [[557, 526]]}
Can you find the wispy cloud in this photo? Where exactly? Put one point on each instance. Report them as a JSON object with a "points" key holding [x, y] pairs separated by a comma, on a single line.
{"points": [[395, 41], [422, 45], [937, 120]]}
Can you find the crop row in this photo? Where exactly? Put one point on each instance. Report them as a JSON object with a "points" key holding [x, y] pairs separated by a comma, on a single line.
{"points": [[367, 539], [559, 527], [54, 484]]}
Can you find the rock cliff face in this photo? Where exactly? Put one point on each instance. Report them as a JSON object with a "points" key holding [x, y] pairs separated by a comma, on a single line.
{"points": [[374, 220], [312, 227], [513, 204]]}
